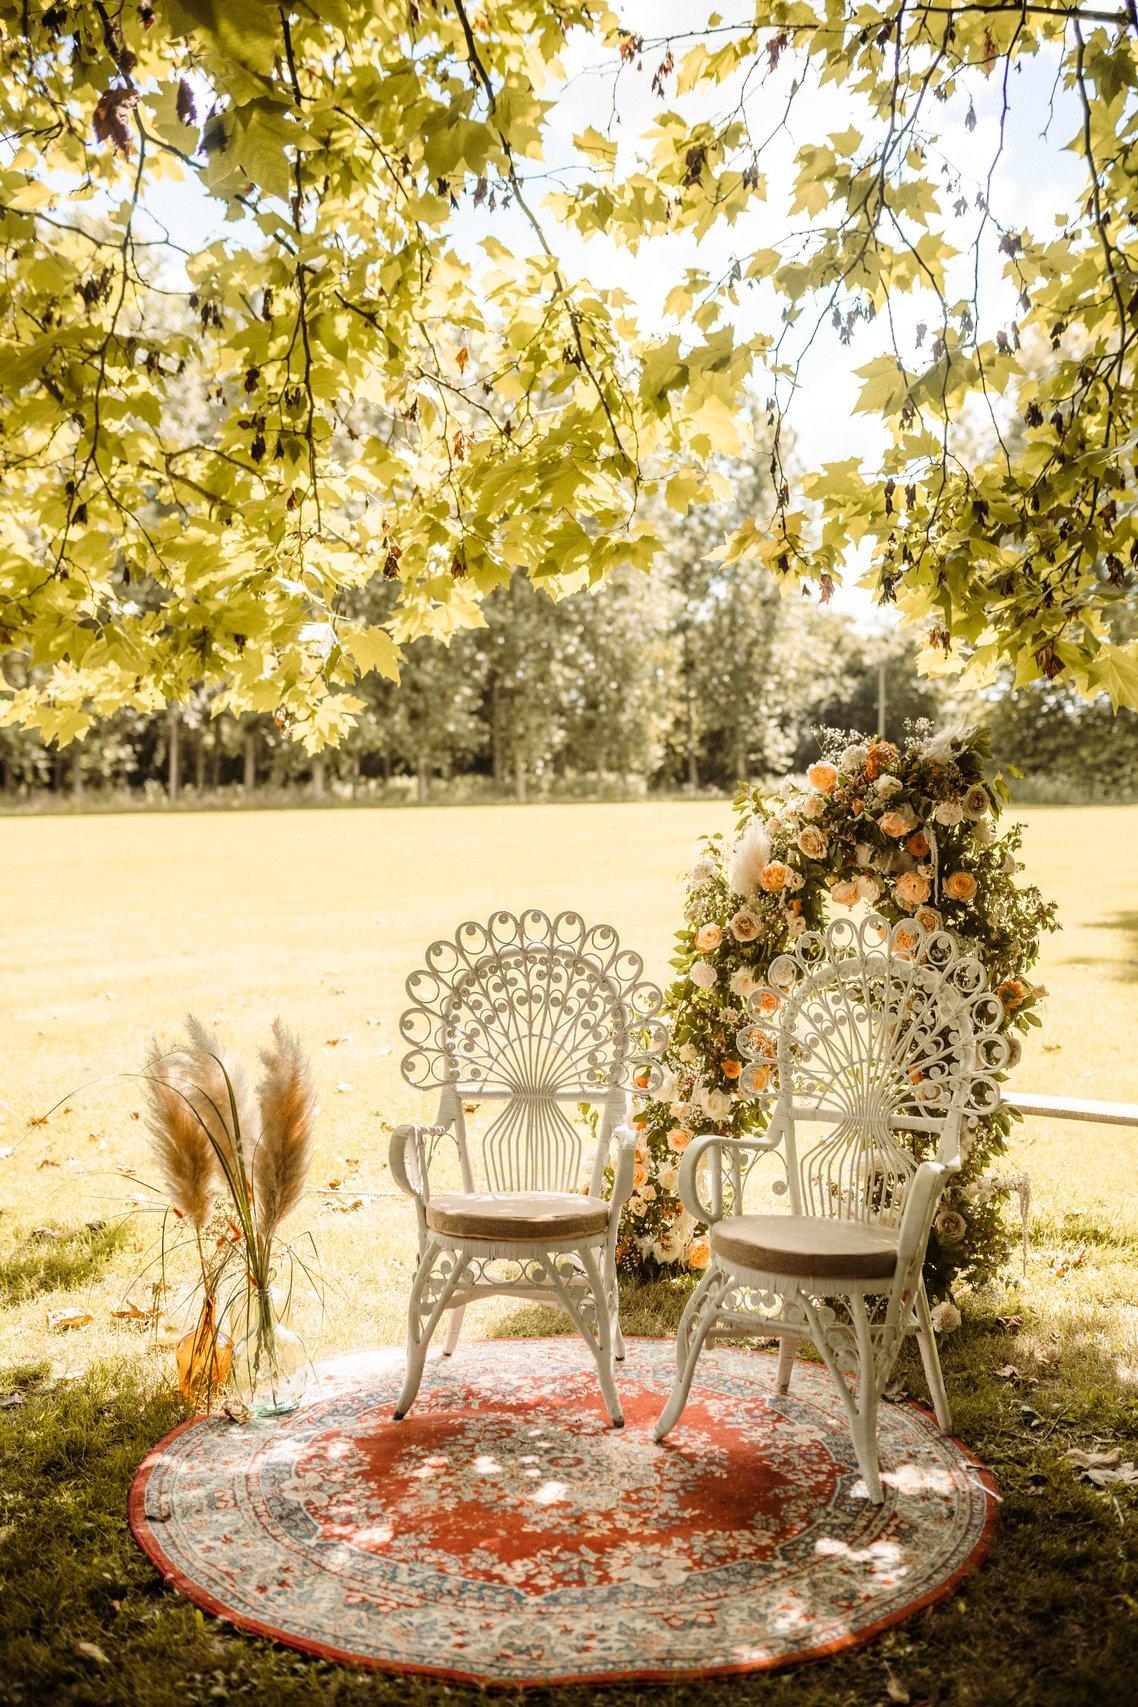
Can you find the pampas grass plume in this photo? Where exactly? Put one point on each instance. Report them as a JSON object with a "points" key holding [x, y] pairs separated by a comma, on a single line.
{"points": [[284, 1151], [751, 855], [180, 1146]]}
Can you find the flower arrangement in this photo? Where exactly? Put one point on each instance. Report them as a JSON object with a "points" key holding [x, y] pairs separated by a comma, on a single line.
{"points": [[234, 1167], [911, 831]]}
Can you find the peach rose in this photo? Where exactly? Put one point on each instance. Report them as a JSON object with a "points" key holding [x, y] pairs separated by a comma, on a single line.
{"points": [[912, 889], [1011, 993], [960, 886], [773, 877], [975, 803], [639, 1174], [812, 842], [744, 927], [732, 1069], [757, 1077], [929, 918], [897, 822], [846, 894], [708, 937], [699, 1254], [679, 1138], [765, 1002], [823, 777], [904, 943], [918, 845]]}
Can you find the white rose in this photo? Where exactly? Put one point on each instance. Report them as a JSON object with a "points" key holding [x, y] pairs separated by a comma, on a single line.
{"points": [[795, 927], [983, 833], [648, 1193], [863, 853], [851, 758], [729, 1016], [887, 786], [703, 975], [717, 1104], [666, 1248], [868, 888], [702, 871], [794, 878], [945, 1317], [814, 806], [669, 1178], [948, 813], [743, 983], [687, 1053]]}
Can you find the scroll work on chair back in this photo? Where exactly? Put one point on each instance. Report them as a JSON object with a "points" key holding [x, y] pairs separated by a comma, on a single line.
{"points": [[868, 1030], [537, 1013]]}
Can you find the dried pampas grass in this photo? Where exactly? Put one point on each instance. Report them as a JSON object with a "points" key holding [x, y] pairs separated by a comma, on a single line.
{"points": [[750, 857], [219, 1086], [284, 1150], [180, 1146]]}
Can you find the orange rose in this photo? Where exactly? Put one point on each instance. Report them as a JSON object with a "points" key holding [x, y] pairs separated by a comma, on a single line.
{"points": [[912, 889], [918, 845], [882, 756], [897, 823], [765, 1002], [823, 777], [904, 943], [961, 886], [846, 894], [758, 1077], [1011, 993], [699, 1254], [773, 877], [732, 1069], [679, 1138], [708, 937]]}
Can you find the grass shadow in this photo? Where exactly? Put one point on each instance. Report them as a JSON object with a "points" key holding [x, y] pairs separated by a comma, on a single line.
{"points": [[54, 1259], [1122, 971]]}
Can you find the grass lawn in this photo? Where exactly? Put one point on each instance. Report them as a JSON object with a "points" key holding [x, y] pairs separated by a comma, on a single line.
{"points": [[115, 926]]}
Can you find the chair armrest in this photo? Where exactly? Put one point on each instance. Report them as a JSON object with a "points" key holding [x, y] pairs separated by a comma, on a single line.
{"points": [[624, 1164], [409, 1157], [921, 1200], [694, 1154]]}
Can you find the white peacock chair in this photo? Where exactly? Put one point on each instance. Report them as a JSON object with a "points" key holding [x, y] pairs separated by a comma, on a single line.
{"points": [[538, 1014], [864, 1031]]}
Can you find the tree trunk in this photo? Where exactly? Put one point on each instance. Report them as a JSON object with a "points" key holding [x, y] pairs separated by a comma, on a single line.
{"points": [[174, 755], [385, 761], [424, 782], [77, 774], [519, 776], [355, 774], [498, 756], [250, 761], [318, 777], [199, 763], [6, 774]]}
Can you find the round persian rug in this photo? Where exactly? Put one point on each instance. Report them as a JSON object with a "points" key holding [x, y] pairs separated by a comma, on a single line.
{"points": [[504, 1533]]}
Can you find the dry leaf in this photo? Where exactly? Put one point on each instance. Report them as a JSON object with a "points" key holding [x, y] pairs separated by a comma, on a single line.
{"points": [[132, 1313], [92, 1651], [346, 1208], [1010, 1323], [895, 1689], [61, 1319], [332, 1042], [1080, 1460], [1009, 1372], [9, 1401], [38, 1120], [47, 1162], [335, 1184]]}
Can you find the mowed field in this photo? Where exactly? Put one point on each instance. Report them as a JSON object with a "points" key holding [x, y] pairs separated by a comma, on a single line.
{"points": [[116, 926]]}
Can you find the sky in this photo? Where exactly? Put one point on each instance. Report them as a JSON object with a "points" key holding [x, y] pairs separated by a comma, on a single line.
{"points": [[1033, 185]]}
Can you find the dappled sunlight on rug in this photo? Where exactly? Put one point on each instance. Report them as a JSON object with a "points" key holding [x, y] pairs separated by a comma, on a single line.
{"points": [[504, 1532]]}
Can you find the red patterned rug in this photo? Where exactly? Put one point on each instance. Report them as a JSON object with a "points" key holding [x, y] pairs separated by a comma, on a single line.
{"points": [[503, 1533]]}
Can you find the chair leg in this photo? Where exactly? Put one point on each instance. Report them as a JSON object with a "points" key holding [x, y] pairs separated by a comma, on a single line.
{"points": [[861, 1407], [454, 1328], [787, 1347], [584, 1299], [696, 1323], [430, 1294], [613, 1291], [930, 1358]]}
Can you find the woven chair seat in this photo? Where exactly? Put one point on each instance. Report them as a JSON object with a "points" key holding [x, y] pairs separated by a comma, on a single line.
{"points": [[807, 1245], [517, 1216]]}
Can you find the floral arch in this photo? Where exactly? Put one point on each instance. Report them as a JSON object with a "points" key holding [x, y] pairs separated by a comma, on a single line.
{"points": [[911, 831]]}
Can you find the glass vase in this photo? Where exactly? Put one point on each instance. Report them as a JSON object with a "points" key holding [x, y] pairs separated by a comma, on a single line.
{"points": [[269, 1368]]}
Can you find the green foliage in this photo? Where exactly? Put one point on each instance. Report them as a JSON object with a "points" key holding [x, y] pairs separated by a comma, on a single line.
{"points": [[208, 449]]}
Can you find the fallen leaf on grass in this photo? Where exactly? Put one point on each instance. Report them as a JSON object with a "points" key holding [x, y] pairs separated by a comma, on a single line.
{"points": [[1010, 1323], [345, 1208], [1067, 1261], [92, 1651], [61, 1319], [132, 1313], [1081, 1460], [1020, 1377], [38, 1120], [47, 1162], [333, 1042], [895, 1689], [9, 1401]]}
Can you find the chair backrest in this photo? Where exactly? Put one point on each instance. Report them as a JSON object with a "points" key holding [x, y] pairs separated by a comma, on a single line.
{"points": [[864, 1030], [537, 1013]]}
